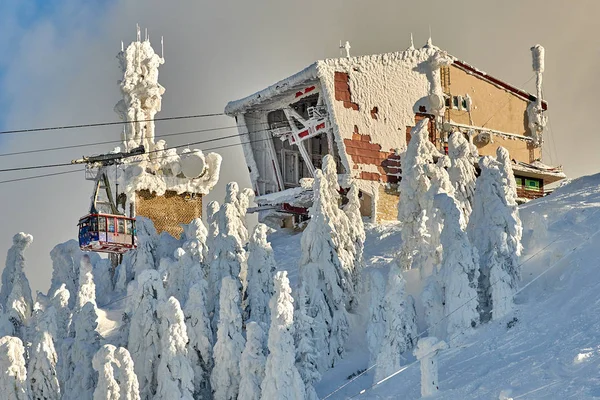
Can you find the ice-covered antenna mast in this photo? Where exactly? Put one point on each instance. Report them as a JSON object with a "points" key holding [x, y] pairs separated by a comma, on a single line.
{"points": [[346, 47], [162, 47], [412, 43], [138, 36], [535, 110]]}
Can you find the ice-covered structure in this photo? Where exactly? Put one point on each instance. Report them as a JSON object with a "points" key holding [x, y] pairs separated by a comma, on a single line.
{"points": [[361, 110], [163, 184]]}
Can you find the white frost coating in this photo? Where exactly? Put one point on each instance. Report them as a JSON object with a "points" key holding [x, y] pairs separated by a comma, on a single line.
{"points": [[459, 271], [144, 337], [356, 233], [436, 93], [103, 362], [282, 379], [462, 172], [375, 287], [225, 377], [42, 367], [194, 236], [128, 382], [145, 255], [87, 288], [495, 229], [426, 352], [400, 325], [432, 298], [15, 294], [180, 274], [200, 338], [307, 354], [13, 373], [261, 270], [60, 302], [142, 94], [245, 140], [175, 373], [416, 251], [535, 113], [508, 176], [192, 163], [321, 278], [82, 378], [252, 364]]}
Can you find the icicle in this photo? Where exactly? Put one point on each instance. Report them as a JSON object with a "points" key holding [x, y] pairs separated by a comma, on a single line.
{"points": [[412, 43], [122, 47], [138, 32], [162, 48]]}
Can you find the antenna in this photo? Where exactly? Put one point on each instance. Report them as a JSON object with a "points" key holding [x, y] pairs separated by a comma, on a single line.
{"points": [[346, 47], [122, 47], [412, 43], [162, 48], [138, 31]]}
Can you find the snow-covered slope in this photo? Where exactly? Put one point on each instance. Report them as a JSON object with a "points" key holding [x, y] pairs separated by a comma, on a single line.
{"points": [[551, 349]]}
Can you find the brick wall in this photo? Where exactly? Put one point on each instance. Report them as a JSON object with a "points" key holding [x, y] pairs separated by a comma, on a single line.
{"points": [[387, 204], [168, 211], [342, 90]]}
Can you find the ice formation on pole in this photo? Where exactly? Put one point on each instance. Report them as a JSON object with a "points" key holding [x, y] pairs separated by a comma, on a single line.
{"points": [[437, 102], [459, 271], [535, 112], [225, 377], [357, 233], [13, 372], [307, 354], [462, 172], [252, 363], [282, 379], [15, 294], [375, 287], [426, 352], [495, 230]]}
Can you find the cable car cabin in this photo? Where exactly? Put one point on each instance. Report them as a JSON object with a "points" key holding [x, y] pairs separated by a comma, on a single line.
{"points": [[107, 233]]}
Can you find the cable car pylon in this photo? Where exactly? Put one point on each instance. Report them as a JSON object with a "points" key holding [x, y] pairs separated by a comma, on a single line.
{"points": [[104, 229]]}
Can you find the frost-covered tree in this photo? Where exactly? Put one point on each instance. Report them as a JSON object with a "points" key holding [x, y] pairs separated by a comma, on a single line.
{"points": [[400, 325], [357, 232], [60, 302], [87, 288], [261, 269], [129, 387], [503, 157], [252, 364], [375, 287], [103, 363], [195, 235], [66, 259], [82, 378], [145, 256], [144, 336], [459, 271], [212, 210], [415, 251], [307, 354], [462, 172], [225, 376], [180, 274], [432, 298], [41, 369], [175, 373], [495, 229], [13, 373], [240, 202], [321, 279], [282, 379], [229, 255], [200, 339], [15, 294]]}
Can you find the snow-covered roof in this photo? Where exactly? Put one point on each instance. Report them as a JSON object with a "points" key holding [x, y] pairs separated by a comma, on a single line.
{"points": [[537, 168], [312, 73]]}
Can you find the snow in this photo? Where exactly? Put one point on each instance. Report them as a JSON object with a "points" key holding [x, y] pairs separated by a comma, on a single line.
{"points": [[13, 373], [252, 364], [426, 352]]}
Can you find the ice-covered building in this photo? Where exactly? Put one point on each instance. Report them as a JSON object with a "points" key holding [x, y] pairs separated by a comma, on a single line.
{"points": [[162, 184], [361, 109]]}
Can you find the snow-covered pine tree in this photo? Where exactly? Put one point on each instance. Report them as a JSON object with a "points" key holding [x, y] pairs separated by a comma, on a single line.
{"points": [[495, 230], [240, 203], [282, 379], [462, 172], [225, 376], [229, 255], [200, 339], [503, 157], [41, 369], [144, 336], [307, 355], [261, 269], [343, 236], [175, 373], [179, 275], [375, 287], [60, 302], [13, 373], [432, 298], [15, 294], [65, 268], [82, 378], [400, 326], [357, 233], [252, 363], [194, 240], [145, 256], [103, 363], [321, 279], [87, 288], [128, 382], [415, 251], [459, 271], [212, 222]]}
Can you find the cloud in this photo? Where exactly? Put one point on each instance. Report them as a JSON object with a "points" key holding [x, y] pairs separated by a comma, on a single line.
{"points": [[59, 67]]}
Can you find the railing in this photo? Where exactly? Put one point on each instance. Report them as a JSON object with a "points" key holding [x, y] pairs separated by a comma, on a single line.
{"points": [[529, 193]]}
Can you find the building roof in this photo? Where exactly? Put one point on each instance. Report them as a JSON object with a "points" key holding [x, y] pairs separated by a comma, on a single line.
{"points": [[311, 73]]}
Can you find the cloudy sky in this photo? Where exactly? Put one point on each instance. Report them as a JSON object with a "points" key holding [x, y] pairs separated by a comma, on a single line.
{"points": [[58, 67]]}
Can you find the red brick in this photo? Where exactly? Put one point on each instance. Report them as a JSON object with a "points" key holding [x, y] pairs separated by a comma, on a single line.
{"points": [[341, 86], [341, 76], [353, 106], [366, 138], [343, 96]]}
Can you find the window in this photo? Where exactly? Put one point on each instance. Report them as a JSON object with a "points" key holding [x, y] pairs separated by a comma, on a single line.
{"points": [[111, 224], [519, 181], [532, 184], [464, 103], [121, 225], [455, 102], [129, 227], [102, 224]]}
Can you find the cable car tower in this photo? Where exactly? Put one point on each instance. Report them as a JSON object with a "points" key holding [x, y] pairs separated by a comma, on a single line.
{"points": [[105, 229]]}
